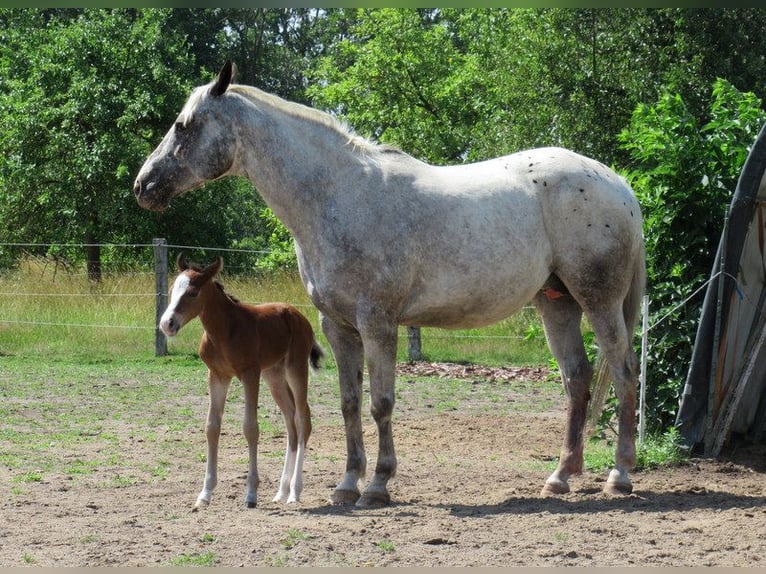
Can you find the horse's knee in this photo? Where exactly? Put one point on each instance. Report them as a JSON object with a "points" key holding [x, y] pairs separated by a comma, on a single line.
{"points": [[381, 409]]}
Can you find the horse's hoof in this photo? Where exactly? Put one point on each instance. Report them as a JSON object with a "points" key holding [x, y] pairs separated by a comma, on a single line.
{"points": [[200, 504], [618, 488], [374, 500], [250, 504], [554, 488], [342, 497]]}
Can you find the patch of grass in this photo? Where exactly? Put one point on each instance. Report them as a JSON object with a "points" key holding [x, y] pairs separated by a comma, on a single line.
{"points": [[385, 545], [28, 558], [655, 451], [292, 538], [203, 559]]}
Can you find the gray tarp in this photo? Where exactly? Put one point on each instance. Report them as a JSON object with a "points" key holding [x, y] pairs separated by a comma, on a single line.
{"points": [[738, 390]]}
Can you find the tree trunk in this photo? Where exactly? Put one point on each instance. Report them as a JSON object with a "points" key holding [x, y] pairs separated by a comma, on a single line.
{"points": [[93, 258]]}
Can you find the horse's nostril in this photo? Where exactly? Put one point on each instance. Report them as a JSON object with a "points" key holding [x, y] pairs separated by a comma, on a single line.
{"points": [[137, 188]]}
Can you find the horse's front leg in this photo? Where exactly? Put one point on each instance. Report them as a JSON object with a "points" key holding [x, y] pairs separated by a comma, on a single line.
{"points": [[379, 339], [349, 355], [250, 384], [218, 388]]}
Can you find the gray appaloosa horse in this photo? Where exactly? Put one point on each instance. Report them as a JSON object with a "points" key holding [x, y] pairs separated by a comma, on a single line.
{"points": [[384, 239]]}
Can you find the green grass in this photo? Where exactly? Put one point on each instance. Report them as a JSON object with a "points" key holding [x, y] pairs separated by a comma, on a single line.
{"points": [[80, 401], [48, 311]]}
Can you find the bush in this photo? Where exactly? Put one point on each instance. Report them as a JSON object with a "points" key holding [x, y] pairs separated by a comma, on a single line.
{"points": [[684, 175]]}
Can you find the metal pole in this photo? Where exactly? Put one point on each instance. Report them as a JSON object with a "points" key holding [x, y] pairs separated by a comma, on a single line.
{"points": [[644, 346], [161, 290], [414, 349], [712, 394]]}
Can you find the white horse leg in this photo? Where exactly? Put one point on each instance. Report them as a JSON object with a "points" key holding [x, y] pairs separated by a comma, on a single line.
{"points": [[561, 320], [614, 340], [250, 384], [349, 355], [297, 373], [218, 388], [380, 349], [284, 400]]}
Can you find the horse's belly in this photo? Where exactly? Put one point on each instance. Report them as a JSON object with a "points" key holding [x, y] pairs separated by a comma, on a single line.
{"points": [[479, 303]]}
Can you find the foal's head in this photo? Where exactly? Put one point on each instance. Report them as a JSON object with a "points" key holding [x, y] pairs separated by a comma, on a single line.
{"points": [[189, 295]]}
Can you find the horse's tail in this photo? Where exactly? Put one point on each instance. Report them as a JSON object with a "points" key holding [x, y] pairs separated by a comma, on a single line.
{"points": [[631, 309], [317, 353]]}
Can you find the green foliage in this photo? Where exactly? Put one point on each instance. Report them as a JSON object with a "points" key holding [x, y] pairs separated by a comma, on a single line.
{"points": [[684, 173], [657, 450]]}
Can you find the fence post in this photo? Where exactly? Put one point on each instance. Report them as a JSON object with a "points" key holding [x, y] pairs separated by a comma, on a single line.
{"points": [[161, 289], [414, 351]]}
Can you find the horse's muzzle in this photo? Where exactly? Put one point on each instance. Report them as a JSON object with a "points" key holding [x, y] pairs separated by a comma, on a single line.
{"points": [[146, 198]]}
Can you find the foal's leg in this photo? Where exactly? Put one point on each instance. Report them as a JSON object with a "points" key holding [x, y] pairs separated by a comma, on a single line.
{"points": [[275, 376], [250, 384], [349, 355], [297, 373], [561, 320], [218, 388], [616, 344]]}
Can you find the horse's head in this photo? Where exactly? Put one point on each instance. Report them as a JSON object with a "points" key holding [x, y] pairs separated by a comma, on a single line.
{"points": [[198, 148], [189, 294]]}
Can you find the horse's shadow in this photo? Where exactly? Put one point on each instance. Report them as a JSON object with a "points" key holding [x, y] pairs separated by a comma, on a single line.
{"points": [[639, 501]]}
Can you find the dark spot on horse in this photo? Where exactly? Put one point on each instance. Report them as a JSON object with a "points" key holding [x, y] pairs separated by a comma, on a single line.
{"points": [[589, 225], [545, 184], [534, 181], [575, 209], [631, 213], [531, 164], [582, 190], [607, 225]]}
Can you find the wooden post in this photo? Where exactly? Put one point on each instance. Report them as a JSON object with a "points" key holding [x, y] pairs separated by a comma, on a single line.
{"points": [[414, 349], [161, 289]]}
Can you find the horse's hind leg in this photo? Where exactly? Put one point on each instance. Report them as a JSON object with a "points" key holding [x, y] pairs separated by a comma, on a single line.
{"points": [[615, 343], [347, 348], [561, 320], [297, 374], [275, 376]]}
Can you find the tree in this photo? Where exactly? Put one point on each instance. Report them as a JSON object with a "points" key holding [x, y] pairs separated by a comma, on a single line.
{"points": [[83, 92], [684, 174]]}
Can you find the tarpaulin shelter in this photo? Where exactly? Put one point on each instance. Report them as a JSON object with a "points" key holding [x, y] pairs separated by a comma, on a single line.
{"points": [[725, 390]]}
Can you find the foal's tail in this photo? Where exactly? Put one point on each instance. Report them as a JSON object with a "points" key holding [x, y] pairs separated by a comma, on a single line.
{"points": [[317, 353], [631, 309]]}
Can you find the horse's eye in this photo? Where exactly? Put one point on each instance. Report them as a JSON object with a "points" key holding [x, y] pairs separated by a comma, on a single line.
{"points": [[192, 294], [180, 126]]}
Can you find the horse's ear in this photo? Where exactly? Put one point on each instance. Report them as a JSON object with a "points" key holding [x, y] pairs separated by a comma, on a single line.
{"points": [[181, 262], [224, 78], [214, 268]]}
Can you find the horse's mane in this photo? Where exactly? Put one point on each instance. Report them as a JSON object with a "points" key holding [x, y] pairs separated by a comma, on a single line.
{"points": [[358, 143]]}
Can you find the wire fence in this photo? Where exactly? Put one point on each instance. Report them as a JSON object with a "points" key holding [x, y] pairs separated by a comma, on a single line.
{"points": [[141, 264]]}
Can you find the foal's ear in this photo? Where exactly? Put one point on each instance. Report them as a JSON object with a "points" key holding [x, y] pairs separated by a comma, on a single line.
{"points": [[224, 78], [214, 268], [181, 262]]}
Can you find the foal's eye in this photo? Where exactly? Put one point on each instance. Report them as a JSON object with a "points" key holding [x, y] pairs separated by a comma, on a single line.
{"points": [[192, 294]]}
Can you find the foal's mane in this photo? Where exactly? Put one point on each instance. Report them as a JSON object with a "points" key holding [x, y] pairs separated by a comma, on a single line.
{"points": [[198, 268]]}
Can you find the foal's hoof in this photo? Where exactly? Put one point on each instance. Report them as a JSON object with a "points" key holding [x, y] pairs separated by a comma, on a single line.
{"points": [[343, 497], [374, 499], [554, 488], [250, 504]]}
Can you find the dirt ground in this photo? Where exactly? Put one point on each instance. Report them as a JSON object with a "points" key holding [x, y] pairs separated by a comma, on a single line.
{"points": [[466, 494]]}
